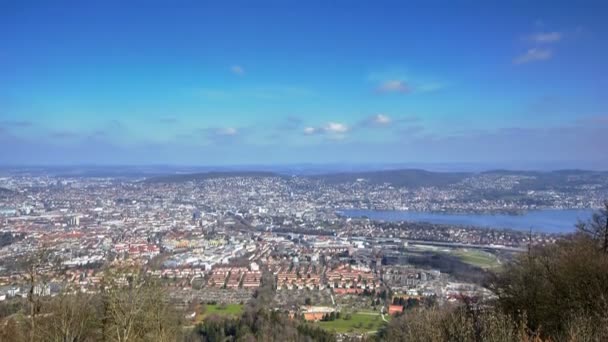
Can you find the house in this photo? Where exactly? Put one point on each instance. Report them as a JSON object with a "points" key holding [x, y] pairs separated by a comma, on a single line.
{"points": [[395, 309]]}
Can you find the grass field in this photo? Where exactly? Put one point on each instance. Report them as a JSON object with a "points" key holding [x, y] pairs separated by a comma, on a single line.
{"points": [[360, 322], [230, 310], [476, 257]]}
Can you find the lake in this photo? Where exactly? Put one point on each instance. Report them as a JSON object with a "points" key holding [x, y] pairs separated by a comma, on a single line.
{"points": [[547, 220]]}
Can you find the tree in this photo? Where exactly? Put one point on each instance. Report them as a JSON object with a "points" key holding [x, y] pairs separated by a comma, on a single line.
{"points": [[37, 281], [137, 310], [453, 324], [555, 283], [71, 317], [597, 227]]}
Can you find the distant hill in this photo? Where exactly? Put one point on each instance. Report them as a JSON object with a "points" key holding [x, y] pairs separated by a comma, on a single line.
{"points": [[413, 178], [558, 179], [407, 177], [193, 177]]}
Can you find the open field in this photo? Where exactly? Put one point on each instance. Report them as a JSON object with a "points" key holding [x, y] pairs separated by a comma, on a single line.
{"points": [[365, 321], [230, 310], [476, 257]]}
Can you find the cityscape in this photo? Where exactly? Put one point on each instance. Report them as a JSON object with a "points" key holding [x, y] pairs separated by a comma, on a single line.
{"points": [[211, 238], [311, 171]]}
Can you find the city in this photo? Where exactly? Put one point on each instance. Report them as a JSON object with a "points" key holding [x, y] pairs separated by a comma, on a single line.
{"points": [[213, 239]]}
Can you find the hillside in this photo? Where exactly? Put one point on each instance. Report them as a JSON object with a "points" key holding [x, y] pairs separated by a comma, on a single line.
{"points": [[194, 177], [406, 177], [413, 178]]}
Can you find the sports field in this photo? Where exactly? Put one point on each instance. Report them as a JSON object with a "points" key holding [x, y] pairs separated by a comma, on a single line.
{"points": [[216, 309], [361, 322], [476, 257]]}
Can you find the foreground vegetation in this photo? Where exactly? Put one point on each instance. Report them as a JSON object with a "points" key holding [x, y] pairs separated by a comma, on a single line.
{"points": [[137, 312]]}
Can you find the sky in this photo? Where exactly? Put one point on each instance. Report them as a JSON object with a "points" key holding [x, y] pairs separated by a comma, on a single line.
{"points": [[286, 82]]}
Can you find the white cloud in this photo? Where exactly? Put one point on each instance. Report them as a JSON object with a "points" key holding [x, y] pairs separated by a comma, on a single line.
{"points": [[227, 131], [333, 130], [534, 55], [545, 37], [335, 127], [237, 70], [394, 86], [381, 119], [310, 130]]}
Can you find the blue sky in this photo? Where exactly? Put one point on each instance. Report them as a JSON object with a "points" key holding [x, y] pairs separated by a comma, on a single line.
{"points": [[152, 82]]}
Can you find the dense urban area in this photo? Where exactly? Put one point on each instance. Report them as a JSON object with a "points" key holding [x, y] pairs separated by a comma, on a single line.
{"points": [[212, 240]]}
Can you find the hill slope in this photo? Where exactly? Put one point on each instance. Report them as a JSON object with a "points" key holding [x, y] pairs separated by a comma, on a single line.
{"points": [[194, 177], [406, 177]]}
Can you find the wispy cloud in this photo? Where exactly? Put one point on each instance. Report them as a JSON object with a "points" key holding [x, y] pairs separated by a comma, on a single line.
{"points": [[394, 86], [376, 120], [429, 87], [227, 131], [237, 70], [545, 37], [398, 80], [64, 135], [534, 55], [381, 119], [264, 92], [221, 135], [384, 120], [330, 129], [16, 123]]}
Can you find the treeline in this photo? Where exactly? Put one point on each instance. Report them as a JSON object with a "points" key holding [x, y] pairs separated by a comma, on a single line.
{"points": [[7, 238], [257, 325]]}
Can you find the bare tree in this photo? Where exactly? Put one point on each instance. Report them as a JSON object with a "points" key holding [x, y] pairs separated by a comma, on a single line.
{"points": [[71, 316], [137, 309], [37, 281], [597, 227]]}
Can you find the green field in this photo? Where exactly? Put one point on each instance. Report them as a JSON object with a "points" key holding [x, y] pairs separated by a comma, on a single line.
{"points": [[476, 257], [360, 322], [230, 310]]}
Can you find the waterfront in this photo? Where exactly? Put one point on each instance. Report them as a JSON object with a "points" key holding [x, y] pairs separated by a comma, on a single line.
{"points": [[546, 221]]}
